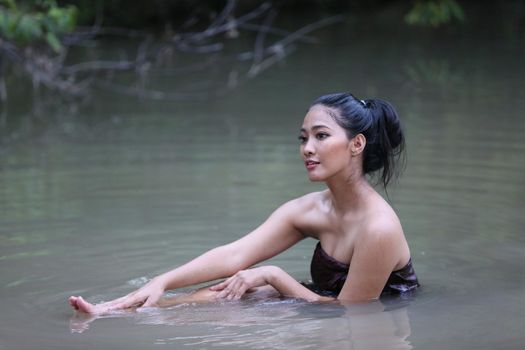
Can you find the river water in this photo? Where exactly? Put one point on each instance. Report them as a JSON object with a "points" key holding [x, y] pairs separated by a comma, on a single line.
{"points": [[96, 199]]}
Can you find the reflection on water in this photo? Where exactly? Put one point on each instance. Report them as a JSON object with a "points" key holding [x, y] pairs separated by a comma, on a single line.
{"points": [[123, 188], [300, 325], [276, 324]]}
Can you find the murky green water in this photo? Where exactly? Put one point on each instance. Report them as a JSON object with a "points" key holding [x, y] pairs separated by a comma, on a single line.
{"points": [[97, 201]]}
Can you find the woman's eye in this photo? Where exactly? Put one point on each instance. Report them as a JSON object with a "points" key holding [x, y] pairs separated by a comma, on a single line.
{"points": [[321, 136], [302, 139]]}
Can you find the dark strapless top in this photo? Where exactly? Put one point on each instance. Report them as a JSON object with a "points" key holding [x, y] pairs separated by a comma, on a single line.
{"points": [[329, 275]]}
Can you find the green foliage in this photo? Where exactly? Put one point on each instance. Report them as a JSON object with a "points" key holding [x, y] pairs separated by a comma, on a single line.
{"points": [[36, 21], [434, 13]]}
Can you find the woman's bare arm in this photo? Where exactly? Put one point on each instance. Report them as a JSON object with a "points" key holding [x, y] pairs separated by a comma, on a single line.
{"points": [[236, 286], [373, 260], [275, 235]]}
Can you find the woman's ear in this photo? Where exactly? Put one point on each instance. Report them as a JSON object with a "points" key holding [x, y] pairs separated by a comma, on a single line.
{"points": [[357, 144]]}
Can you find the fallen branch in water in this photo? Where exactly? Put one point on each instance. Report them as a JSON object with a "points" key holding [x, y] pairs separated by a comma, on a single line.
{"points": [[207, 48]]}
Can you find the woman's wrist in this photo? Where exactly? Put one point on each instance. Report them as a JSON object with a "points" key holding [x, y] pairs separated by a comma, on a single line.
{"points": [[161, 281], [272, 274], [288, 286]]}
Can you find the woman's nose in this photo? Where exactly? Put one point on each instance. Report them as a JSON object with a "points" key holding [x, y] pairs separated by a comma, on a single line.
{"points": [[308, 148]]}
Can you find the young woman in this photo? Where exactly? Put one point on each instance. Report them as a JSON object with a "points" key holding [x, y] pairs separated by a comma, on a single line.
{"points": [[362, 251]]}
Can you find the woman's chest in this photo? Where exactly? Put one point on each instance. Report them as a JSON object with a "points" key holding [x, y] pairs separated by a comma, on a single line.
{"points": [[338, 237]]}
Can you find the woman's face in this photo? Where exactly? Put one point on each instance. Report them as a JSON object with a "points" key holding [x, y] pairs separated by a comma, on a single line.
{"points": [[325, 148]]}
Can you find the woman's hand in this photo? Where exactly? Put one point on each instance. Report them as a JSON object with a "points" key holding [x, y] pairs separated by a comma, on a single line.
{"points": [[146, 296], [239, 284]]}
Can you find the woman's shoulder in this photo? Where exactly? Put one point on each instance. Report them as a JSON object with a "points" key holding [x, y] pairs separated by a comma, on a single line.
{"points": [[310, 200], [307, 212], [302, 209], [301, 205], [383, 232], [382, 221]]}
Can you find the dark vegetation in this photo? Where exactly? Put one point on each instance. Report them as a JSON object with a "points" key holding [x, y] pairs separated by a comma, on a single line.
{"points": [[42, 39]]}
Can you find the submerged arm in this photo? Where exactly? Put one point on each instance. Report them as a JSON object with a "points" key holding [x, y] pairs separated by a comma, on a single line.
{"points": [[237, 285]]}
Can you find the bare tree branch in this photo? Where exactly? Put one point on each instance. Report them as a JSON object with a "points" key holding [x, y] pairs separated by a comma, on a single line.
{"points": [[153, 56]]}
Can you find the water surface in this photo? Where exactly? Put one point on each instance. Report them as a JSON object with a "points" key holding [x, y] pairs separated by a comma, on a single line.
{"points": [[96, 201]]}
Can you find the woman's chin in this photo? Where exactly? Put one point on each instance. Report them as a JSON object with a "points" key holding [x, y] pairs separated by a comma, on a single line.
{"points": [[315, 178]]}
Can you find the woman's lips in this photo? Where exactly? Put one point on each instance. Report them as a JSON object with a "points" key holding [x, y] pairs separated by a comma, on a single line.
{"points": [[311, 164]]}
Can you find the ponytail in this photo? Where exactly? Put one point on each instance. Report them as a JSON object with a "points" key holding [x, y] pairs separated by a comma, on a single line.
{"points": [[386, 144]]}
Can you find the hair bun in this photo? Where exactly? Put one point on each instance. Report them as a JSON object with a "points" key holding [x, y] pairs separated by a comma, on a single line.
{"points": [[388, 141], [388, 119]]}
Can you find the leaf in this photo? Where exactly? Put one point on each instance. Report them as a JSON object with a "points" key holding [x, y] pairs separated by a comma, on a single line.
{"points": [[45, 22], [434, 13], [456, 11], [61, 19], [3, 23], [29, 29], [53, 41], [10, 4]]}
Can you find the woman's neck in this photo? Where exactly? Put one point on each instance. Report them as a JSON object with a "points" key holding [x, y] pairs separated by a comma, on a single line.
{"points": [[349, 194]]}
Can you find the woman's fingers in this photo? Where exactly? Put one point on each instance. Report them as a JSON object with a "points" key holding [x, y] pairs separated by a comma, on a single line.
{"points": [[225, 290], [220, 286], [238, 295], [234, 287], [111, 304], [150, 302], [239, 292], [223, 294], [234, 291], [129, 302], [224, 287]]}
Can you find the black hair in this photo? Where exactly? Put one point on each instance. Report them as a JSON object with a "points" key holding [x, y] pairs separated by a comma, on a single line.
{"points": [[379, 123]]}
